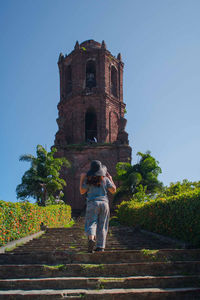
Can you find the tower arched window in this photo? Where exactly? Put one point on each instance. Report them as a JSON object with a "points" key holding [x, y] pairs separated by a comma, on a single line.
{"points": [[69, 79], [90, 74], [91, 126], [114, 81]]}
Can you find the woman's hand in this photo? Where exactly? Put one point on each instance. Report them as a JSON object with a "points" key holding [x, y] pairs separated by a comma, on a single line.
{"points": [[112, 190], [109, 176]]}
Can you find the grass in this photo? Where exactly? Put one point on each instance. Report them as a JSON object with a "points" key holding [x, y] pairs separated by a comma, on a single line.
{"points": [[151, 254], [92, 266], [112, 280], [148, 252], [57, 267], [107, 280], [64, 267], [70, 224], [8, 249]]}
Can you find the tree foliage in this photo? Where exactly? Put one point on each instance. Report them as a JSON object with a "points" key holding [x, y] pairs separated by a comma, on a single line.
{"points": [[139, 180], [175, 188], [42, 180]]}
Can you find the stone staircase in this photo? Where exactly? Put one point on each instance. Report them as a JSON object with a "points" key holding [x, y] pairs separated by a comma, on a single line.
{"points": [[134, 266]]}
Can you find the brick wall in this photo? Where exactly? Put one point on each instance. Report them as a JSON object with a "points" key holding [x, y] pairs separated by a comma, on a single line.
{"points": [[79, 94], [80, 158]]}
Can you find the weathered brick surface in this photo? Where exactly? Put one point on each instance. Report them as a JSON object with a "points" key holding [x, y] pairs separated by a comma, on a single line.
{"points": [[109, 155], [77, 98]]}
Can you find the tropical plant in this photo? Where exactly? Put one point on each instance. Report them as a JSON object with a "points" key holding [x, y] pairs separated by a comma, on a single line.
{"points": [[178, 187], [42, 180], [139, 179]]}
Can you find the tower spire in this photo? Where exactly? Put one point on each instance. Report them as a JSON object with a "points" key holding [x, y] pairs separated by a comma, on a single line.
{"points": [[77, 46], [103, 45]]}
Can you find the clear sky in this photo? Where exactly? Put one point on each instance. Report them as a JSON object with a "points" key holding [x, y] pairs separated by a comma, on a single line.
{"points": [[160, 45]]}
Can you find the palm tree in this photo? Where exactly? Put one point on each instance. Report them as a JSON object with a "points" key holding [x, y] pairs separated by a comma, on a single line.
{"points": [[143, 174], [43, 178]]}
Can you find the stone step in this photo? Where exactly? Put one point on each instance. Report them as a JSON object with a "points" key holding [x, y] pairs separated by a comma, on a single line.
{"points": [[100, 282], [64, 248], [77, 247], [78, 241], [125, 256], [57, 266], [40, 244], [119, 238], [114, 294], [105, 270]]}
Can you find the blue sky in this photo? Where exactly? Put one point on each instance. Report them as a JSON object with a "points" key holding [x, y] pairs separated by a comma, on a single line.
{"points": [[160, 45]]}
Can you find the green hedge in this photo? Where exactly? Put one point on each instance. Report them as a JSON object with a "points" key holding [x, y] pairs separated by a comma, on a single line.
{"points": [[21, 219], [175, 216]]}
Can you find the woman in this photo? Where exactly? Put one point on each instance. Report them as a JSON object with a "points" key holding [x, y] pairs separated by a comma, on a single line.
{"points": [[96, 183]]}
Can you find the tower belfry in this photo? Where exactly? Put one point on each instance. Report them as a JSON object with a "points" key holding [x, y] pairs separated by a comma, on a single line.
{"points": [[91, 113]]}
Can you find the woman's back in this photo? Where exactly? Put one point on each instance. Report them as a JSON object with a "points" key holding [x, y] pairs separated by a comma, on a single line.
{"points": [[98, 193]]}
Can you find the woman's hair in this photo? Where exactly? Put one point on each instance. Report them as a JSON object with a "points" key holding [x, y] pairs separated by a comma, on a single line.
{"points": [[94, 180]]}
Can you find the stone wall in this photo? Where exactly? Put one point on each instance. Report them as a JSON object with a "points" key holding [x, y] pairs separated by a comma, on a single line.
{"points": [[80, 158]]}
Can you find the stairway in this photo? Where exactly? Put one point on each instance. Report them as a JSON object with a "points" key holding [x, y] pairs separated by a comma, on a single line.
{"points": [[134, 266]]}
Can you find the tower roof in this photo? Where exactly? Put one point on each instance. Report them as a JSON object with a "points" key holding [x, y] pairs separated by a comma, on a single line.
{"points": [[90, 44]]}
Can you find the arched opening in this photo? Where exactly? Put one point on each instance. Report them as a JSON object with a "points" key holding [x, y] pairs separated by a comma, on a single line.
{"points": [[69, 79], [90, 74], [90, 126], [114, 81]]}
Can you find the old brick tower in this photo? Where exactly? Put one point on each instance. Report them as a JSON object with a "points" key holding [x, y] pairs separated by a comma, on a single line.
{"points": [[91, 114]]}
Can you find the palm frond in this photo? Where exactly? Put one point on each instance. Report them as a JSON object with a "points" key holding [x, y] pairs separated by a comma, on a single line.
{"points": [[27, 157]]}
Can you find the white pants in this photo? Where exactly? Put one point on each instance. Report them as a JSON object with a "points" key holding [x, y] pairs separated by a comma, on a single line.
{"points": [[97, 221]]}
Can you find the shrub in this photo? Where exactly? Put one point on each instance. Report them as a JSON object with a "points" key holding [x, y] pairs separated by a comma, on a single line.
{"points": [[21, 219], [175, 216], [178, 187]]}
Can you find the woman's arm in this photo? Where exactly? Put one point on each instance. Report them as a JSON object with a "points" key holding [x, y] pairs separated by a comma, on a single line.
{"points": [[112, 190], [82, 178]]}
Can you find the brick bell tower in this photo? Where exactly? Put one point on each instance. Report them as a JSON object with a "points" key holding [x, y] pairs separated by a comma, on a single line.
{"points": [[91, 114]]}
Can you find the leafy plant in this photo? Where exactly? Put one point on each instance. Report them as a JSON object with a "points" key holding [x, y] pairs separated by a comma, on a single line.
{"points": [[55, 200], [139, 180], [179, 187], [42, 181]]}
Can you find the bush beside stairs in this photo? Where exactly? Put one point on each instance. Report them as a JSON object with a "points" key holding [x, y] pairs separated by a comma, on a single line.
{"points": [[135, 265]]}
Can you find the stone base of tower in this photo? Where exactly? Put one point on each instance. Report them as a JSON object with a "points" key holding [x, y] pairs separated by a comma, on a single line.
{"points": [[80, 157]]}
